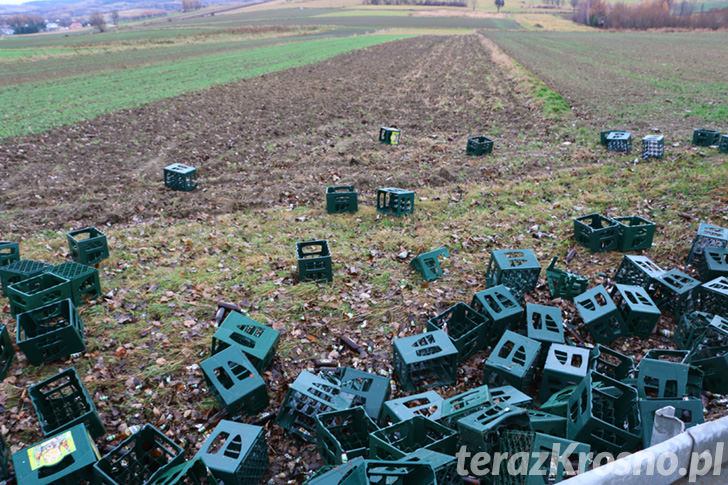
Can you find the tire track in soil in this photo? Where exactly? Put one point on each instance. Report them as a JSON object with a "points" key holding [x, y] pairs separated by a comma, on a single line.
{"points": [[277, 139]]}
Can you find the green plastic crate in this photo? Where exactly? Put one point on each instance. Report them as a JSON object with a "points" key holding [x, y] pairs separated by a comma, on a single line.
{"points": [[676, 292], [558, 403], [193, 472], [366, 389], [342, 435], [308, 396], [605, 417], [703, 137], [638, 270], [689, 411], [444, 466], [314, 261], [481, 431], [509, 396], [465, 327], [723, 145], [6, 352], [659, 378], [236, 453], [461, 405], [610, 363], [501, 310], [513, 361], [605, 133], [565, 366], [62, 402], [341, 199], [713, 264], [179, 176], [635, 233], [9, 252], [427, 404], [139, 459], [563, 284], [596, 232], [694, 386], [478, 146], [234, 382], [653, 146], [259, 342], [619, 141], [64, 459], [690, 329], [38, 291], [710, 355], [398, 440], [51, 332], [428, 265], [364, 472], [639, 313], [600, 315], [714, 296], [544, 323], [84, 280], [393, 201], [517, 269], [18, 271], [352, 472], [708, 235], [87, 246], [389, 136], [423, 361], [4, 457], [545, 422]]}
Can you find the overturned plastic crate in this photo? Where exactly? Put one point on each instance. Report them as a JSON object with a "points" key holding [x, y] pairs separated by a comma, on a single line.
{"points": [[193, 472], [9, 252], [84, 280], [512, 361], [609, 362], [259, 342], [236, 453], [6, 352], [353, 470], [710, 355], [690, 329], [481, 431], [87, 245], [639, 313], [314, 261], [343, 435], [545, 422], [708, 235], [544, 323], [619, 141], [653, 146], [676, 292], [558, 403], [689, 411], [18, 271], [400, 439], [635, 233], [4, 457], [139, 459], [596, 232], [713, 264], [38, 291], [389, 136], [425, 360], [694, 386], [398, 472], [178, 176], [479, 145], [723, 145], [638, 270], [51, 332], [463, 404], [428, 265], [663, 375], [444, 466], [466, 328], [605, 133], [509, 396], [62, 401], [396, 202], [66, 458], [427, 404], [565, 366], [606, 416], [341, 199], [308, 396], [235, 382], [703, 137], [714, 296], [367, 390], [563, 284], [517, 269], [501, 309], [600, 315]]}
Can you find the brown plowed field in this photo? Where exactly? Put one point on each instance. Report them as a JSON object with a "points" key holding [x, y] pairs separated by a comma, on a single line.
{"points": [[276, 139]]}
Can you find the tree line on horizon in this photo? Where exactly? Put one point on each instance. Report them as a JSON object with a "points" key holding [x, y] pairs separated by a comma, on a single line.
{"points": [[652, 14]]}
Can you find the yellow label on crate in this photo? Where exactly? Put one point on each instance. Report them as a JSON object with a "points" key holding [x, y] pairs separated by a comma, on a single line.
{"points": [[51, 451], [394, 138]]}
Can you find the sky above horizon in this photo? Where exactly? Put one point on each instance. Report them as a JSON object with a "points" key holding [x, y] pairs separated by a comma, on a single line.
{"points": [[12, 2]]}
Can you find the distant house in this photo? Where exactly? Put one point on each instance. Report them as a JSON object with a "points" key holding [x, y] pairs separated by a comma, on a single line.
{"points": [[5, 31], [51, 26], [75, 25]]}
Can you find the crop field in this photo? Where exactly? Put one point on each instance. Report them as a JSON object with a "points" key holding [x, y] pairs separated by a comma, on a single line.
{"points": [[272, 105]]}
